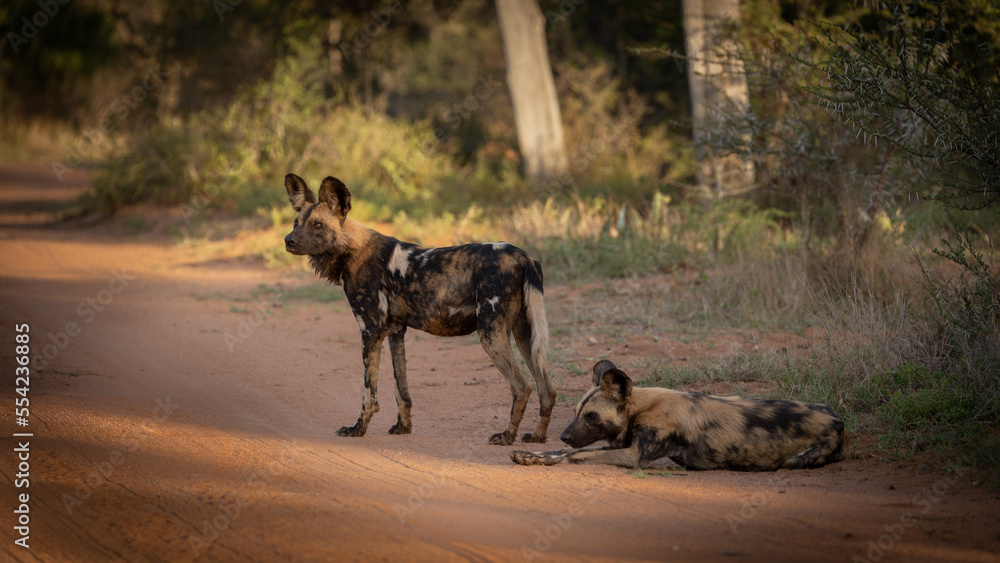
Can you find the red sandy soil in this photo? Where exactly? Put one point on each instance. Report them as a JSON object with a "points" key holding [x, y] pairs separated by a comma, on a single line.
{"points": [[173, 422]]}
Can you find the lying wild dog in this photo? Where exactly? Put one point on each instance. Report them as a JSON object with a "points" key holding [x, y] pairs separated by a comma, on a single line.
{"points": [[694, 430], [495, 289]]}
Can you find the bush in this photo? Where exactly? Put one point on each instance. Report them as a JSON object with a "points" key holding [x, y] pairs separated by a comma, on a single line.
{"points": [[920, 398], [277, 126]]}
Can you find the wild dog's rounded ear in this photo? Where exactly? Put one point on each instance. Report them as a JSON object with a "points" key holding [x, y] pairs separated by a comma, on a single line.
{"points": [[336, 194], [299, 193], [600, 368], [616, 381]]}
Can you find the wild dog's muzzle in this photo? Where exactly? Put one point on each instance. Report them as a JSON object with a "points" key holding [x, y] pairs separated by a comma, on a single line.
{"points": [[582, 433], [573, 436], [290, 241]]}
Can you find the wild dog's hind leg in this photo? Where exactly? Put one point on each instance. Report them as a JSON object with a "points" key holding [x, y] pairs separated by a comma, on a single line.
{"points": [[828, 449], [371, 340], [397, 335], [546, 392], [496, 341]]}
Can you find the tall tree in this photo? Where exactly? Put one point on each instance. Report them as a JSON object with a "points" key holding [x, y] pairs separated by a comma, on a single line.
{"points": [[532, 89], [718, 85]]}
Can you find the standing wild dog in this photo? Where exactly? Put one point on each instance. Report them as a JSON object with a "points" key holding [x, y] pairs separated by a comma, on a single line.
{"points": [[495, 289], [695, 430]]}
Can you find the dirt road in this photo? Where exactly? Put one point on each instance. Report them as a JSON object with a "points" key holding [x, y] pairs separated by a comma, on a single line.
{"points": [[182, 411]]}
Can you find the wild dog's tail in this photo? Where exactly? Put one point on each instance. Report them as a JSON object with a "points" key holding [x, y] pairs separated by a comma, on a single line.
{"points": [[535, 303]]}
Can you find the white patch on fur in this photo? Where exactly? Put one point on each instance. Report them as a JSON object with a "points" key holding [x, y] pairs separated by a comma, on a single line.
{"points": [[493, 301], [499, 245], [400, 260], [361, 322], [383, 305]]}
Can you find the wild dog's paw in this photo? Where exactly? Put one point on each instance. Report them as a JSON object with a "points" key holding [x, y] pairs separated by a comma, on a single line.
{"points": [[523, 458], [355, 431], [400, 428], [502, 439], [537, 458], [534, 439]]}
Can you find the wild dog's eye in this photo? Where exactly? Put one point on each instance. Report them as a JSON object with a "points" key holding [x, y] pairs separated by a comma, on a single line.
{"points": [[591, 417], [318, 225]]}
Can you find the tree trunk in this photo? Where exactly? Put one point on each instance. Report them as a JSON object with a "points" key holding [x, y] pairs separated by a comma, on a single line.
{"points": [[334, 34], [718, 86], [532, 89]]}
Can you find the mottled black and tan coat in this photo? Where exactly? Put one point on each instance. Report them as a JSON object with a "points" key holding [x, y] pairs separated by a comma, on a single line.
{"points": [[493, 289], [695, 430]]}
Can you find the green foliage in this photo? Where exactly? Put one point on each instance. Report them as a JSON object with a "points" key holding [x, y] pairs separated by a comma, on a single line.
{"points": [[152, 171], [441, 143], [970, 306], [925, 407], [921, 76], [46, 72], [610, 150], [925, 81], [630, 34], [856, 124], [277, 126], [920, 398], [899, 79], [944, 411], [807, 163]]}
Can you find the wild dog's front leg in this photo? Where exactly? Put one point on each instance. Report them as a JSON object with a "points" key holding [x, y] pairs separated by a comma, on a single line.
{"points": [[372, 343], [403, 403], [555, 457], [622, 457]]}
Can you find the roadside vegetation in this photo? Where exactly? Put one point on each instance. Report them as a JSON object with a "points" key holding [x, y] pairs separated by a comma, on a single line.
{"points": [[873, 219]]}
